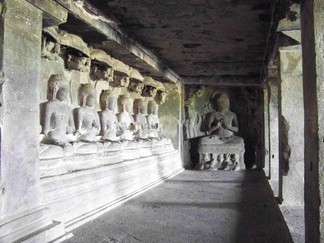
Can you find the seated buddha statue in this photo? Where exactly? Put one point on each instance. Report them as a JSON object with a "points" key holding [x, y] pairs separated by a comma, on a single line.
{"points": [[153, 121], [58, 126], [87, 119], [141, 124], [126, 123], [221, 124], [108, 119]]}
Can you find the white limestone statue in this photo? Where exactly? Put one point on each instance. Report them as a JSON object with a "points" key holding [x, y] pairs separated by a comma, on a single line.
{"points": [[58, 124], [141, 124], [153, 121], [126, 121], [108, 119], [87, 119]]}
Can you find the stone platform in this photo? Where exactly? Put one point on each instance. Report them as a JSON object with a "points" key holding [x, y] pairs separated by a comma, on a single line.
{"points": [[80, 187]]}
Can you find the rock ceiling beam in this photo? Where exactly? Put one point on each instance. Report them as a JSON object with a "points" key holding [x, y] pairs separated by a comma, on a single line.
{"points": [[117, 39], [223, 81], [53, 13]]}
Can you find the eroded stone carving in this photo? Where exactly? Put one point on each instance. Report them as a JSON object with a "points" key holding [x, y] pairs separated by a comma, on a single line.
{"points": [[161, 94], [136, 81], [58, 124], [101, 66], [87, 119], [77, 53], [141, 124], [155, 127], [125, 119], [121, 74], [51, 49], [78, 62], [150, 86], [220, 139], [108, 119]]}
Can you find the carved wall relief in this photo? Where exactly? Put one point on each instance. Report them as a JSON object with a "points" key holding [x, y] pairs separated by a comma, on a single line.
{"points": [[101, 66], [51, 49], [136, 81], [87, 130], [150, 86], [121, 74], [161, 94], [77, 55]]}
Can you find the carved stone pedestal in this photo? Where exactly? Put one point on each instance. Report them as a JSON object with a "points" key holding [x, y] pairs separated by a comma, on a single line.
{"points": [[209, 152]]}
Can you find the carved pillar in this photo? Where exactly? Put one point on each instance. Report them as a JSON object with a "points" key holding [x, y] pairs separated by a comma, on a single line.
{"points": [[312, 24], [273, 131], [21, 211], [266, 133], [291, 125]]}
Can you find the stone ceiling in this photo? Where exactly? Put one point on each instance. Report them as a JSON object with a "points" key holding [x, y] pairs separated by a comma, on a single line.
{"points": [[197, 38]]}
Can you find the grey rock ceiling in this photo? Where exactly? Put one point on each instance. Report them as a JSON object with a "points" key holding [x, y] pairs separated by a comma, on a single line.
{"points": [[201, 38]]}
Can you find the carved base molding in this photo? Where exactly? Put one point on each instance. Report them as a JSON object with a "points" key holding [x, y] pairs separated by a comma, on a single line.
{"points": [[98, 183], [40, 227], [212, 151]]}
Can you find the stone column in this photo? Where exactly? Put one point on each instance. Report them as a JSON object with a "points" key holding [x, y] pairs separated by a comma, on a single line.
{"points": [[291, 125], [266, 132], [312, 26], [274, 131], [21, 211]]}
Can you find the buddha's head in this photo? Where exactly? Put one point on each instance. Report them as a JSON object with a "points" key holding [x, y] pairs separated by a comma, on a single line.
{"points": [[57, 88], [223, 102], [125, 103], [152, 107], [160, 97], [87, 95], [138, 106], [107, 100]]}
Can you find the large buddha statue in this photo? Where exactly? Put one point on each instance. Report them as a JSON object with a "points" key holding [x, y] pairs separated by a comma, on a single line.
{"points": [[221, 140], [153, 121], [58, 125], [141, 124], [125, 119], [108, 119], [87, 119], [222, 124]]}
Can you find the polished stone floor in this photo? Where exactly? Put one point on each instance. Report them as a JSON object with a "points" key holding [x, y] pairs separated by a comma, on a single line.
{"points": [[194, 206]]}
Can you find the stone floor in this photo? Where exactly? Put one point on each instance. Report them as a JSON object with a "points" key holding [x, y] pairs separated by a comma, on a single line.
{"points": [[194, 206]]}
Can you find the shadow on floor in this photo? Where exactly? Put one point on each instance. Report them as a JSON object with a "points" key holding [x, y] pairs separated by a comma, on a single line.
{"points": [[195, 206]]}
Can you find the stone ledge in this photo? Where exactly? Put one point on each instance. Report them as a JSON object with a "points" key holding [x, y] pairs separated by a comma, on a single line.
{"points": [[60, 166], [30, 226], [72, 195]]}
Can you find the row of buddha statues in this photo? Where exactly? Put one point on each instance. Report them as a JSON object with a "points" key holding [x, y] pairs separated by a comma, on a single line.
{"points": [[70, 131], [78, 56]]}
